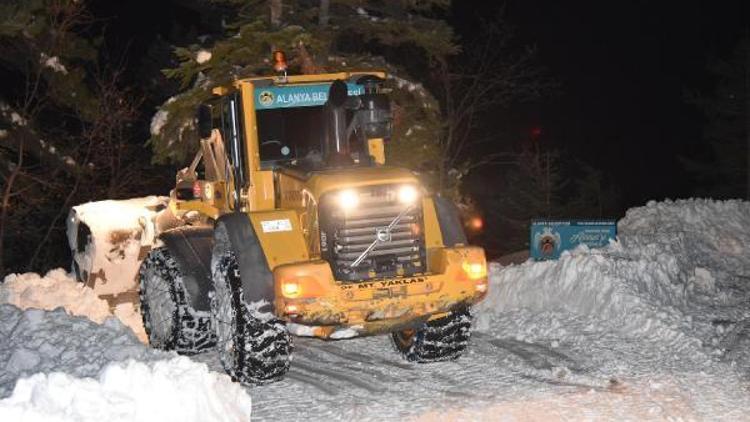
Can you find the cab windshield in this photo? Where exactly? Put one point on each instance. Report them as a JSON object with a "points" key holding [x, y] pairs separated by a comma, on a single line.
{"points": [[295, 137], [291, 135]]}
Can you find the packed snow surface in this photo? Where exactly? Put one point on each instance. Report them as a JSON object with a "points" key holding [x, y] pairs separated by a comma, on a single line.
{"points": [[655, 326]]}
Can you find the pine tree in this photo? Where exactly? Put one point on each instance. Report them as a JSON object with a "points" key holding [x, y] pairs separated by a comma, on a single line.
{"points": [[593, 196], [532, 188]]}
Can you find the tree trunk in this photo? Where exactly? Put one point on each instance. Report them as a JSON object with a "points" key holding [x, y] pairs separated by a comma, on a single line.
{"points": [[306, 61], [6, 204], [324, 15], [276, 10]]}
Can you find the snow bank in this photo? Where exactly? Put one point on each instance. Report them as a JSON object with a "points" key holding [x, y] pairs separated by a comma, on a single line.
{"points": [[171, 390], [58, 289], [66, 368], [35, 340], [664, 280], [700, 233]]}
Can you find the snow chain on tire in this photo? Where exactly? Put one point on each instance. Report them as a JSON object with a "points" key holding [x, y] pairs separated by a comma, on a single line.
{"points": [[170, 323], [254, 348], [438, 340]]}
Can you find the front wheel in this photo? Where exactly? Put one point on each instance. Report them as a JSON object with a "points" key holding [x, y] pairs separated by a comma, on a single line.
{"points": [[254, 347], [438, 340], [170, 322]]}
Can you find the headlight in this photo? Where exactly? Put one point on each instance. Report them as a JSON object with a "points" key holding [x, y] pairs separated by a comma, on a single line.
{"points": [[407, 194], [475, 270], [348, 199]]}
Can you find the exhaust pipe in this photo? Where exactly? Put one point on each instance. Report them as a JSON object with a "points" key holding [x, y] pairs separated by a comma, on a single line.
{"points": [[337, 151]]}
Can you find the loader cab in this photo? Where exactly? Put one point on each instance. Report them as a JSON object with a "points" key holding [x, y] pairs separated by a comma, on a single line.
{"points": [[260, 127], [293, 124]]}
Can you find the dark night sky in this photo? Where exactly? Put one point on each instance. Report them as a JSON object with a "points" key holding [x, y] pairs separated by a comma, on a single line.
{"points": [[624, 67]]}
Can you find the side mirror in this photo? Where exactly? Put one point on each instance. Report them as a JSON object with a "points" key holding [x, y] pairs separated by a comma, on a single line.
{"points": [[205, 126]]}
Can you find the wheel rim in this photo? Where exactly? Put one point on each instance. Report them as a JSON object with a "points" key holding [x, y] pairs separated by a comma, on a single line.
{"points": [[161, 306]]}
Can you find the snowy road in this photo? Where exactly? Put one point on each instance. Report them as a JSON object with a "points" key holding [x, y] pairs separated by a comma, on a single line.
{"points": [[364, 379], [656, 326]]}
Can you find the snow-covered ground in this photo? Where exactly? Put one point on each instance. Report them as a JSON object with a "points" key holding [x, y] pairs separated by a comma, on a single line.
{"points": [[655, 326]]}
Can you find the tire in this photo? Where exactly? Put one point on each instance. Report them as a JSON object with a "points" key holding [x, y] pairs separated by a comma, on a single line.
{"points": [[170, 323], [254, 347], [438, 340]]}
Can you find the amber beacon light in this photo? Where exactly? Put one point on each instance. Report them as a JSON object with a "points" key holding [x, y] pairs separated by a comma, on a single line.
{"points": [[279, 61]]}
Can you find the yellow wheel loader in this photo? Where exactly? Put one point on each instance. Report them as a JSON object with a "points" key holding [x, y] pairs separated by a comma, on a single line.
{"points": [[289, 222]]}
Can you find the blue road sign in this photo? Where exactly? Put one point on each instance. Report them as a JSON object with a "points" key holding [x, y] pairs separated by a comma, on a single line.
{"points": [[550, 237]]}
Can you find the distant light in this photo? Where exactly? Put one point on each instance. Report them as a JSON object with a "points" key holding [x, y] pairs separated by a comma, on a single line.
{"points": [[476, 223]]}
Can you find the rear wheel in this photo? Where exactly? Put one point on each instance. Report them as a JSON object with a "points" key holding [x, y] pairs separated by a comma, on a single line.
{"points": [[438, 340], [254, 347], [170, 322]]}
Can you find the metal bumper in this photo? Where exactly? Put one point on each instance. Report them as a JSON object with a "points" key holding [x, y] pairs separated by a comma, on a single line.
{"points": [[317, 305]]}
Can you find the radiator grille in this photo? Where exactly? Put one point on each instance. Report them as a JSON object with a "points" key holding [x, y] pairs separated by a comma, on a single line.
{"points": [[345, 235]]}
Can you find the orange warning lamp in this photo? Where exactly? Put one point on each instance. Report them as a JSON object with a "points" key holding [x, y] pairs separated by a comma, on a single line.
{"points": [[279, 61]]}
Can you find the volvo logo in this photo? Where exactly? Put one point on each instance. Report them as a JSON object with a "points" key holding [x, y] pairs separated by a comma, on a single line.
{"points": [[383, 234]]}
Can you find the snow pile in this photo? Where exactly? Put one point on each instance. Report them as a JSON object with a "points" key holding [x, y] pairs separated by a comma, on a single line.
{"points": [[35, 340], [65, 368], [706, 234], [55, 289], [677, 276], [171, 390], [58, 289], [654, 282]]}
